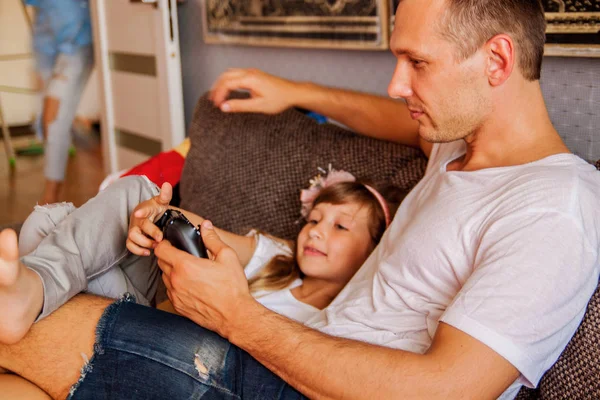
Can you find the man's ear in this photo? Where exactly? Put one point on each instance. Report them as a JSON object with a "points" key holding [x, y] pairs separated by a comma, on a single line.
{"points": [[500, 51]]}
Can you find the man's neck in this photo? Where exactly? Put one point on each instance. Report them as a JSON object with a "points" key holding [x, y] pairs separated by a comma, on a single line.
{"points": [[518, 132]]}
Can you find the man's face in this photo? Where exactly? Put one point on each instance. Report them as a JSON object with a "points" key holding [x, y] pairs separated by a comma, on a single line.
{"points": [[449, 99]]}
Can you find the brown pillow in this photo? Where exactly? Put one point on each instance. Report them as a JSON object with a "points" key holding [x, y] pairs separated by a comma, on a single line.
{"points": [[245, 171]]}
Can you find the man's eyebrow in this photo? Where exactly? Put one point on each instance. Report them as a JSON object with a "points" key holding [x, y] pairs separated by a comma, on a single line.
{"points": [[410, 53]]}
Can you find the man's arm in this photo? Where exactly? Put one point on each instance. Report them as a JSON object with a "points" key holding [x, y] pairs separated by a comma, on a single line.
{"points": [[367, 114], [457, 366], [214, 294]]}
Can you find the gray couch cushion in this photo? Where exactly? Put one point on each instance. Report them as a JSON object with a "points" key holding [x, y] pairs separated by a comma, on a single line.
{"points": [[246, 170], [571, 88]]}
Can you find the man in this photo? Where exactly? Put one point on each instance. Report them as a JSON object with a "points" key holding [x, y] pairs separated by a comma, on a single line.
{"points": [[444, 306], [62, 40]]}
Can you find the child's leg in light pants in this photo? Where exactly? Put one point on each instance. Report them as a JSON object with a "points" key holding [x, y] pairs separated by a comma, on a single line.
{"points": [[40, 223], [86, 249], [44, 64], [66, 85]]}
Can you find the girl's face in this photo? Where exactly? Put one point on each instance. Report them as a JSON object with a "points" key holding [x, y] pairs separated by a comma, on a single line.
{"points": [[335, 242]]}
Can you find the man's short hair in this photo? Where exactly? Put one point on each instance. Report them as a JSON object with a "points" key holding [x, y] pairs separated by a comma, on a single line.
{"points": [[471, 23]]}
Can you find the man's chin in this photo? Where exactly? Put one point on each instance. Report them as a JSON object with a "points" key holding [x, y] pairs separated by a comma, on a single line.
{"points": [[434, 136], [428, 135]]}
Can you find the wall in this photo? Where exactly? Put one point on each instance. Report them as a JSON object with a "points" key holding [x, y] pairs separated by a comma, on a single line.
{"points": [[571, 85], [15, 38], [202, 63]]}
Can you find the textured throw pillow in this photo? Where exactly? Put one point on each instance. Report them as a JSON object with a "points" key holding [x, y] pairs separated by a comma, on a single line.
{"points": [[246, 170]]}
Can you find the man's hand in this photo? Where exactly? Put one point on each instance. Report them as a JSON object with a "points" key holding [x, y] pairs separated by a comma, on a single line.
{"points": [[269, 94], [143, 234], [209, 292]]}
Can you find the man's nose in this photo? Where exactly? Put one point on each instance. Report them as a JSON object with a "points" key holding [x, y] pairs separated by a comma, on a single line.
{"points": [[400, 86]]}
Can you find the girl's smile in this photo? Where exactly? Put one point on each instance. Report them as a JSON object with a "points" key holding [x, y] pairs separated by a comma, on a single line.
{"points": [[311, 251]]}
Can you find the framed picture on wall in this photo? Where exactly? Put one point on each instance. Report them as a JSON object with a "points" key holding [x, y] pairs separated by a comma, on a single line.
{"points": [[336, 24], [573, 27]]}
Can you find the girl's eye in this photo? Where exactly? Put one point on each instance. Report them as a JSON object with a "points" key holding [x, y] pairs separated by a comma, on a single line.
{"points": [[340, 227], [312, 222]]}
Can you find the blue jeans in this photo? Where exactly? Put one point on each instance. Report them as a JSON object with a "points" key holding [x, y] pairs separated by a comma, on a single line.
{"points": [[144, 353]]}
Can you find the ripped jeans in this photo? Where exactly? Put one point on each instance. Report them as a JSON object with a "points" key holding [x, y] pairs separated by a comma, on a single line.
{"points": [[64, 77], [145, 353]]}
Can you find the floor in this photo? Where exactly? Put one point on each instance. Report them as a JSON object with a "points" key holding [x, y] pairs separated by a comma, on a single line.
{"points": [[21, 187]]}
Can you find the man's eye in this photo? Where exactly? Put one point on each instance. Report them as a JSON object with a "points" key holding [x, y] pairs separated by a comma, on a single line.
{"points": [[416, 63], [312, 222]]}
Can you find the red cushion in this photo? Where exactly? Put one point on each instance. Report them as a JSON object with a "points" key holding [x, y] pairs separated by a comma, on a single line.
{"points": [[161, 168]]}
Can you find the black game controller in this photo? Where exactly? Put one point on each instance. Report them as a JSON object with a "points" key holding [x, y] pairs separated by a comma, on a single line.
{"points": [[180, 232]]}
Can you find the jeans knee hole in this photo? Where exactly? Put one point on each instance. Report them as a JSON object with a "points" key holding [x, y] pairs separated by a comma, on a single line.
{"points": [[200, 367]]}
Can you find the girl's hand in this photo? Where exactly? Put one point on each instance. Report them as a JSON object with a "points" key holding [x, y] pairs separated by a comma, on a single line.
{"points": [[143, 234]]}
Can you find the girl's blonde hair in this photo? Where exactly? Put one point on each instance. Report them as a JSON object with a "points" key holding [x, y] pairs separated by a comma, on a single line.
{"points": [[283, 270]]}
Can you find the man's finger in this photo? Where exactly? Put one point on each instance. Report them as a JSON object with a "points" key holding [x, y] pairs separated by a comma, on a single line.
{"points": [[223, 88], [211, 240], [167, 283], [231, 73], [166, 252], [166, 268], [242, 105], [221, 81]]}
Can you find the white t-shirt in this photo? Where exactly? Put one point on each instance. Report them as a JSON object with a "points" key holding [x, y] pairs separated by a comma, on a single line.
{"points": [[281, 301], [508, 255]]}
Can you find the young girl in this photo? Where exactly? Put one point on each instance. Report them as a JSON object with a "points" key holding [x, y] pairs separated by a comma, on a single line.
{"points": [[87, 248], [345, 219]]}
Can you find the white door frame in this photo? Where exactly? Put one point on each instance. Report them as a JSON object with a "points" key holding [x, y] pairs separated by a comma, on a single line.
{"points": [[168, 70]]}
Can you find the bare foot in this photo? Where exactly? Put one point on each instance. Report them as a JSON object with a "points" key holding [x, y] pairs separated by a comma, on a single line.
{"points": [[21, 291]]}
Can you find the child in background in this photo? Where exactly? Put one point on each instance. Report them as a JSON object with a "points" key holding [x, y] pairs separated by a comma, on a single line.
{"points": [[63, 47]]}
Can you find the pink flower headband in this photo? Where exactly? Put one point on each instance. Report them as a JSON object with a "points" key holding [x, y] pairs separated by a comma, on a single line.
{"points": [[331, 177]]}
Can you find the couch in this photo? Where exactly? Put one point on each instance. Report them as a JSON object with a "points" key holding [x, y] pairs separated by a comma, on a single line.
{"points": [[245, 170]]}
